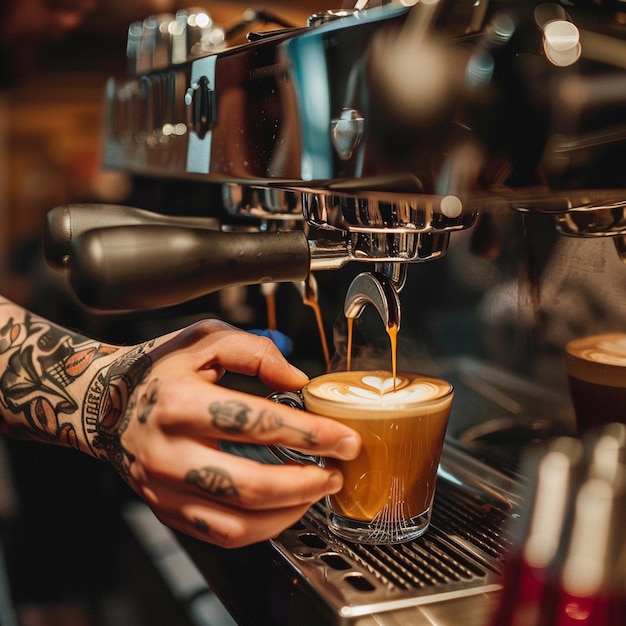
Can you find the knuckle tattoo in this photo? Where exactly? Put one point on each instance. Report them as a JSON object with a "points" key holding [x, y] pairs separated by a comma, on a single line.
{"points": [[236, 417], [201, 526], [230, 416], [212, 480]]}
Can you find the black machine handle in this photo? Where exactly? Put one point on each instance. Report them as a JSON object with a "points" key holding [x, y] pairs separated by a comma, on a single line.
{"points": [[122, 258], [146, 267], [66, 222]]}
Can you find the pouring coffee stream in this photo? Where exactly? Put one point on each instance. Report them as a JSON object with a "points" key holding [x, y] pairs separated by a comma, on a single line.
{"points": [[380, 291], [308, 292]]}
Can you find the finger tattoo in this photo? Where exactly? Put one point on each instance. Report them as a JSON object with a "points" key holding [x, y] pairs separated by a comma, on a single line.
{"points": [[201, 526], [234, 417], [230, 416], [212, 480]]}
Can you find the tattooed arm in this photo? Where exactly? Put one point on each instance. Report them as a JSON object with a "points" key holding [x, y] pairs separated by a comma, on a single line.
{"points": [[155, 413]]}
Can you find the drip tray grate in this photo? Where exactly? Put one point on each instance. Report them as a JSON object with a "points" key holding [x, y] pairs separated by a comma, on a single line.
{"points": [[460, 554]]}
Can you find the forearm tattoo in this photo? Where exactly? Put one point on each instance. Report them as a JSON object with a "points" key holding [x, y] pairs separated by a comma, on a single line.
{"points": [[110, 403], [235, 417], [43, 361]]}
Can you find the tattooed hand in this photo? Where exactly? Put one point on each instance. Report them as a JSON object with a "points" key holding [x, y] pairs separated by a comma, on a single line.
{"points": [[156, 413]]}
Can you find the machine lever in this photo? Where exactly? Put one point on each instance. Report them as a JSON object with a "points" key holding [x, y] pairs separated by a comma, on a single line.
{"points": [[146, 267]]}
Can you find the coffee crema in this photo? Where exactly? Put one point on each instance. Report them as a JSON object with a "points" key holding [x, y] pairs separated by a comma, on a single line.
{"points": [[596, 371], [599, 359], [373, 390]]}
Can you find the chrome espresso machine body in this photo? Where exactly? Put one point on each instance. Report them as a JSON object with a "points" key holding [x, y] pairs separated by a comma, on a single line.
{"points": [[388, 135], [376, 132]]}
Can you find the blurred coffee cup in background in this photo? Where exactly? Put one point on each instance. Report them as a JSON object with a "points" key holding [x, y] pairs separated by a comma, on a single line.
{"points": [[596, 370]]}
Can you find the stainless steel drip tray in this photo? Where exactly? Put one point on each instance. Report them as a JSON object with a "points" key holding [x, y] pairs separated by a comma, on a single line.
{"points": [[458, 557]]}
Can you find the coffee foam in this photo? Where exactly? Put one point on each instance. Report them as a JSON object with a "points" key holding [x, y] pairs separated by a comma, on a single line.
{"points": [[373, 391], [599, 359]]}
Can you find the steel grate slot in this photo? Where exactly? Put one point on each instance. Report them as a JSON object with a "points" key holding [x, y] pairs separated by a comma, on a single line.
{"points": [[456, 531], [376, 561], [359, 583], [467, 554], [422, 569], [335, 561], [425, 572], [449, 562], [454, 512]]}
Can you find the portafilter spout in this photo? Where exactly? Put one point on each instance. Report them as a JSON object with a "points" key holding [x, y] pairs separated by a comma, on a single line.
{"points": [[378, 290]]}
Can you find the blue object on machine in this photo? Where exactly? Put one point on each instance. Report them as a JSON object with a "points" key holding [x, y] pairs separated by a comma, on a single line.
{"points": [[283, 343]]}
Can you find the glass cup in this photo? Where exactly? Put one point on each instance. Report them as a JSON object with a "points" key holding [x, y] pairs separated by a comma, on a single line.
{"points": [[388, 489], [596, 370]]}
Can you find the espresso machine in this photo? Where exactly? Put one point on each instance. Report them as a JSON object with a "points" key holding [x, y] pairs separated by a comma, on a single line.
{"points": [[376, 136], [370, 136]]}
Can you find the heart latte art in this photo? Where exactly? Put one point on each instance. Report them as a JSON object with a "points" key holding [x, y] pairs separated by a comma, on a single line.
{"points": [[368, 389]]}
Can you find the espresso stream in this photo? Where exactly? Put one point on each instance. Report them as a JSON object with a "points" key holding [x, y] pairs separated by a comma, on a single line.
{"points": [[310, 301], [402, 422], [392, 331]]}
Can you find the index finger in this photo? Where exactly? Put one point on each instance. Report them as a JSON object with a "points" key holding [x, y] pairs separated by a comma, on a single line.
{"points": [[219, 345]]}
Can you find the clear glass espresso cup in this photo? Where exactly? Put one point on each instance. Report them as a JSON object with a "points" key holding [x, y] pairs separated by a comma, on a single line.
{"points": [[388, 489]]}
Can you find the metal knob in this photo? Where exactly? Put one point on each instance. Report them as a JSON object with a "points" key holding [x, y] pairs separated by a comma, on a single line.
{"points": [[346, 132]]}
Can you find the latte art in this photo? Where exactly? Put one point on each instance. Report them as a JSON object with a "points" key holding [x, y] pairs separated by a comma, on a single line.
{"points": [[609, 349], [376, 389], [609, 352], [596, 371]]}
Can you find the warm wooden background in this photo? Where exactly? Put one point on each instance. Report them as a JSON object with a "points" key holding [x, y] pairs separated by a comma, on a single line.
{"points": [[50, 124]]}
